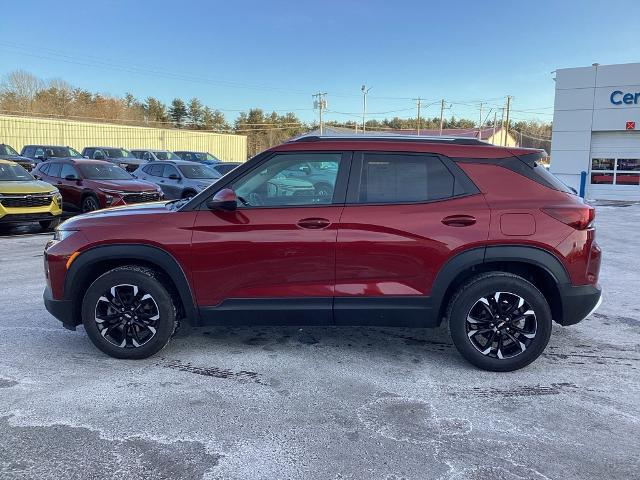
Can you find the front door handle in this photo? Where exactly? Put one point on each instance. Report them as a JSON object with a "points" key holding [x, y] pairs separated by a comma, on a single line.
{"points": [[314, 223], [459, 220]]}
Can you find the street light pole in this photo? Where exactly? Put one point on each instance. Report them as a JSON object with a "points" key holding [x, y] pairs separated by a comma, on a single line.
{"points": [[364, 90]]}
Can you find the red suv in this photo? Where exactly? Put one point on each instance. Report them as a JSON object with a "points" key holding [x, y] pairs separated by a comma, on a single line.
{"points": [[88, 185], [416, 230]]}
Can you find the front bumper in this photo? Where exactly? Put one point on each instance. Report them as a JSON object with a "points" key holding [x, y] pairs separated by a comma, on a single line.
{"points": [[61, 309], [579, 302], [29, 214]]}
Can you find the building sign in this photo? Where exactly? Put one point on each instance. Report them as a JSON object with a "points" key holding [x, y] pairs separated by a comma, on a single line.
{"points": [[618, 97], [630, 126]]}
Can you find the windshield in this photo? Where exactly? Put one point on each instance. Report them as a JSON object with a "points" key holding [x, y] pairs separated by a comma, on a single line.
{"points": [[162, 155], [7, 150], [51, 152], [103, 171], [13, 173], [198, 171], [117, 153], [206, 156]]}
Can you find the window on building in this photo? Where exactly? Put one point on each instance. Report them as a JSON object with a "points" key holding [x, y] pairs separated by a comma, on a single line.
{"points": [[615, 171]]}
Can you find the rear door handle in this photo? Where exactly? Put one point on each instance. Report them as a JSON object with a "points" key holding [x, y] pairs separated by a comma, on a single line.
{"points": [[459, 220], [314, 223]]}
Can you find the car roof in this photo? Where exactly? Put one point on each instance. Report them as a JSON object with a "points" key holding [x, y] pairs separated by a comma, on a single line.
{"points": [[457, 147], [45, 145], [174, 162], [82, 161], [119, 148]]}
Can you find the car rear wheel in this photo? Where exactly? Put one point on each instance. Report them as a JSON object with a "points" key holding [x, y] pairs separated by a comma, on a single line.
{"points": [[499, 321], [90, 203], [129, 313]]}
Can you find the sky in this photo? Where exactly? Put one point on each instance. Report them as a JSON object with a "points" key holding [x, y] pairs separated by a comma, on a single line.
{"points": [[274, 55]]}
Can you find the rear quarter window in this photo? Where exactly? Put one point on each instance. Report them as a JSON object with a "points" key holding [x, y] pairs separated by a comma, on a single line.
{"points": [[403, 178]]}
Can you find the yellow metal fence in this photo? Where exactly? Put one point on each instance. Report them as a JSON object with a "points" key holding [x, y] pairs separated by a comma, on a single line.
{"points": [[20, 131]]}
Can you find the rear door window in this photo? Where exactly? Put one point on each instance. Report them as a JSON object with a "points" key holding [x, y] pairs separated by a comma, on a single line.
{"points": [[54, 170], [401, 178]]}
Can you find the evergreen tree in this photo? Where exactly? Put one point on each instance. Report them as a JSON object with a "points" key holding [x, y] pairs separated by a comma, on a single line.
{"points": [[177, 112]]}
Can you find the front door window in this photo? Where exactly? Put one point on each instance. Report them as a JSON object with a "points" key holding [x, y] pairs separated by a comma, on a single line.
{"points": [[271, 185]]}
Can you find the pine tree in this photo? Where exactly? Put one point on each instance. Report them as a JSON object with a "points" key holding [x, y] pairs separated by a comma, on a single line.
{"points": [[177, 112]]}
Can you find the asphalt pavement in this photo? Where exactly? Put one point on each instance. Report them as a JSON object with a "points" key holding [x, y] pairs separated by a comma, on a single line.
{"points": [[319, 403]]}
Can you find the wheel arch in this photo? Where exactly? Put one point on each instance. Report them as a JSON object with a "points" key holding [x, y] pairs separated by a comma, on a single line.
{"points": [[95, 261], [539, 266]]}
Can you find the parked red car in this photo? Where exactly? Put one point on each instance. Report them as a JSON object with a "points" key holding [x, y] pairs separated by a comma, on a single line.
{"points": [[416, 231], [88, 185]]}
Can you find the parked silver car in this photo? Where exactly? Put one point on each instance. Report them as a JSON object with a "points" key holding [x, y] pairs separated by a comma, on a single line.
{"points": [[149, 155], [177, 178]]}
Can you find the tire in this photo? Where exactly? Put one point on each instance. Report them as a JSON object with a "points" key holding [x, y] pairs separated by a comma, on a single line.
{"points": [[49, 224], [147, 321], [90, 203], [518, 327]]}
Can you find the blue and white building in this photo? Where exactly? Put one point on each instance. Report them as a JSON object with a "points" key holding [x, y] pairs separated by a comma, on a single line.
{"points": [[596, 129]]}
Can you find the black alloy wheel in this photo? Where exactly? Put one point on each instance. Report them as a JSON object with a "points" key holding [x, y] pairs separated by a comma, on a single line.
{"points": [[89, 204], [129, 312], [499, 321], [501, 325], [127, 316]]}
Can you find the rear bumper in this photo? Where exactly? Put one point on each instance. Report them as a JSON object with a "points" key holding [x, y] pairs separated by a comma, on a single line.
{"points": [[61, 309], [579, 302]]}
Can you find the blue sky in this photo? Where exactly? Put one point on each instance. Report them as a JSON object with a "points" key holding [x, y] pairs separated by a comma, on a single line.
{"points": [[275, 54]]}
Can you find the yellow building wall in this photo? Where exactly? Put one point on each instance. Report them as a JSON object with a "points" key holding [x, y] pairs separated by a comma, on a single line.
{"points": [[498, 139], [20, 131]]}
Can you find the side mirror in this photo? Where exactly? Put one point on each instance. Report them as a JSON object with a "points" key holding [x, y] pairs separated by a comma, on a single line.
{"points": [[71, 178], [98, 157], [37, 177], [225, 200], [174, 176], [40, 157]]}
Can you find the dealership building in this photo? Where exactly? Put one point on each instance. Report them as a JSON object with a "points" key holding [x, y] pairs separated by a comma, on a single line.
{"points": [[596, 130]]}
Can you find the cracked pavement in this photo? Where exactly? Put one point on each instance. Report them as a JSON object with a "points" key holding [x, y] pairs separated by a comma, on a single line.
{"points": [[326, 403]]}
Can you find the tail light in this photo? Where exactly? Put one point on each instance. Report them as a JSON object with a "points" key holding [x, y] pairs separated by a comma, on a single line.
{"points": [[580, 217]]}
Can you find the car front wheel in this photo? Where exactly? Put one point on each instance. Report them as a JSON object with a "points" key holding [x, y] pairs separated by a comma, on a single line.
{"points": [[129, 313], [90, 203], [499, 321]]}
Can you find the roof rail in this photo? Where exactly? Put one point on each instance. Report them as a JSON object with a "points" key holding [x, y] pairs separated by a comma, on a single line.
{"points": [[390, 137]]}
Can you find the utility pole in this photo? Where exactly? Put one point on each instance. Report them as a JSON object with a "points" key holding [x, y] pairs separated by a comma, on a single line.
{"points": [[507, 127], [320, 103], [364, 90], [480, 123], [441, 115], [418, 105], [495, 119], [502, 127]]}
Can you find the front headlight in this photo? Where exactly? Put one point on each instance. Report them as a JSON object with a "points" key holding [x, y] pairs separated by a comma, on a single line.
{"points": [[60, 235], [113, 192]]}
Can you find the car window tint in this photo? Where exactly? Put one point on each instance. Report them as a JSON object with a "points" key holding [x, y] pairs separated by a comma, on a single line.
{"points": [[88, 152], [39, 152], [273, 184], [156, 170], [398, 178], [54, 170], [169, 170], [44, 168], [67, 170]]}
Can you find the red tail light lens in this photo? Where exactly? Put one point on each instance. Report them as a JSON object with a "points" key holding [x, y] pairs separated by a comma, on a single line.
{"points": [[579, 217]]}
